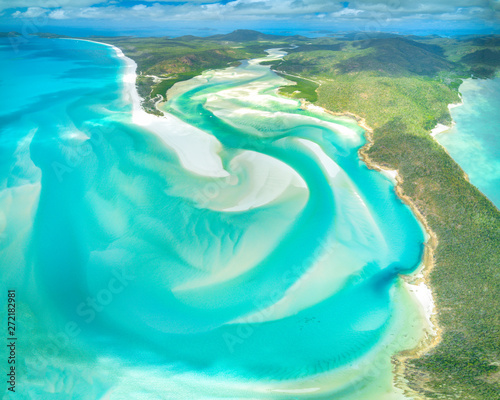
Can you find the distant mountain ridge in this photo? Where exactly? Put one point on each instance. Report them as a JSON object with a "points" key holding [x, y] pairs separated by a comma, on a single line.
{"points": [[399, 55], [377, 53], [245, 35]]}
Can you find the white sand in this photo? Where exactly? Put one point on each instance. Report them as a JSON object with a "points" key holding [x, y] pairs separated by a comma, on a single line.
{"points": [[338, 128], [273, 54], [317, 284], [269, 178], [453, 105], [259, 180], [252, 93], [423, 295], [197, 150], [156, 79], [330, 166], [212, 75], [439, 129], [421, 292], [317, 109], [255, 121], [391, 174]]}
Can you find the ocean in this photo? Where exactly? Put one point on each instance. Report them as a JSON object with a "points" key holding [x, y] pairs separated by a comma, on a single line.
{"points": [[474, 140], [236, 248]]}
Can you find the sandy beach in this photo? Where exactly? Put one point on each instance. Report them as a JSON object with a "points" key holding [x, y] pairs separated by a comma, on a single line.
{"points": [[439, 128], [417, 284], [197, 150]]}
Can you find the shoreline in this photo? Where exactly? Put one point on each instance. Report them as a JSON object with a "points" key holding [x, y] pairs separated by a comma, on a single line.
{"points": [[412, 282], [417, 283], [155, 124], [427, 263], [441, 128], [198, 152]]}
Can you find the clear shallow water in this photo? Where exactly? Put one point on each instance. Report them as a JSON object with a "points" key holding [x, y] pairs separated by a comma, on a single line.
{"points": [[139, 276], [474, 140]]}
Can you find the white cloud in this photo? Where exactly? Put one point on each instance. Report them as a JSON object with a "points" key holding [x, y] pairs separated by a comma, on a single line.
{"points": [[31, 12], [58, 14], [4, 4], [346, 12], [245, 10]]}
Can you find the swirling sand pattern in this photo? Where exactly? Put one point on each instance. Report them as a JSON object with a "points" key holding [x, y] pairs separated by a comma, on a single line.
{"points": [[236, 248]]}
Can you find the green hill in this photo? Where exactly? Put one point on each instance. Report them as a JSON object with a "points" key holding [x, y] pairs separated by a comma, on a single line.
{"points": [[245, 35], [402, 86], [483, 62], [182, 58], [398, 56]]}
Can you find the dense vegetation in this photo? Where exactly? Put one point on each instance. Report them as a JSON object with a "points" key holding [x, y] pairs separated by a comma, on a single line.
{"points": [[401, 86], [303, 89], [175, 60]]}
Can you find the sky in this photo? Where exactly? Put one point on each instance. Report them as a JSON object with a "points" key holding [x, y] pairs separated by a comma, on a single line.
{"points": [[205, 17]]}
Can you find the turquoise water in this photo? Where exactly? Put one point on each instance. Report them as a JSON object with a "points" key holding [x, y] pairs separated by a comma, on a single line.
{"points": [[265, 263], [474, 140]]}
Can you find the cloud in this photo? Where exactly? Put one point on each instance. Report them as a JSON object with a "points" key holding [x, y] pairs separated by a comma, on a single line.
{"points": [[360, 11], [346, 11], [58, 14], [6, 4], [31, 12]]}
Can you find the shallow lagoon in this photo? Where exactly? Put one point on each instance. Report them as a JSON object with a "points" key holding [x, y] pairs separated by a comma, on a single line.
{"points": [[474, 139], [264, 263]]}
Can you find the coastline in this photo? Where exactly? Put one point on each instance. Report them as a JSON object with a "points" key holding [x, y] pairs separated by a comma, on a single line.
{"points": [[464, 222], [418, 283], [441, 128], [418, 278], [198, 152], [156, 125]]}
